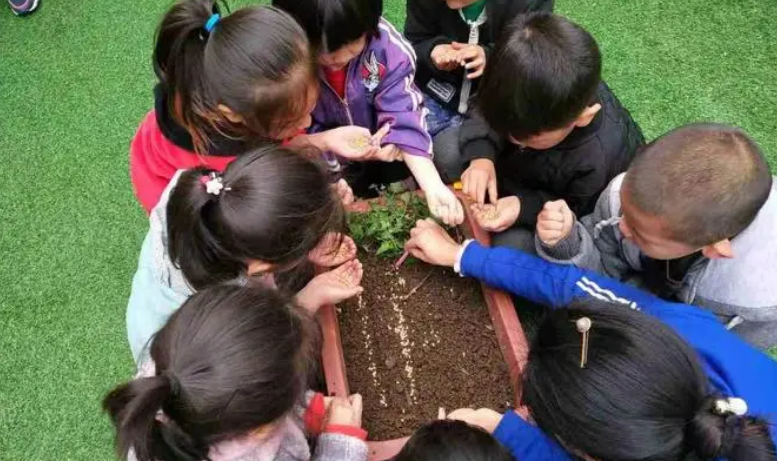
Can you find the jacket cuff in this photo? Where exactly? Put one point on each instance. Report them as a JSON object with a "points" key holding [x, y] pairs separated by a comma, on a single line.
{"points": [[332, 446], [478, 148], [566, 249], [473, 257], [315, 414], [508, 425], [350, 431]]}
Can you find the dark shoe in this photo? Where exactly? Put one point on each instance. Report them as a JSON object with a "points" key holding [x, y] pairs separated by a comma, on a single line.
{"points": [[23, 7]]}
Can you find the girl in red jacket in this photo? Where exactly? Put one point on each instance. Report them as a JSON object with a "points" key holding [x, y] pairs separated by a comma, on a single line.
{"points": [[226, 84]]}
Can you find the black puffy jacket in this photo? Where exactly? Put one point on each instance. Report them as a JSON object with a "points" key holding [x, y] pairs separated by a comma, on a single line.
{"points": [[430, 23]]}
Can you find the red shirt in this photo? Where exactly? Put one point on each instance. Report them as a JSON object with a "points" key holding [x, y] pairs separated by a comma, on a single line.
{"points": [[154, 159], [336, 79]]}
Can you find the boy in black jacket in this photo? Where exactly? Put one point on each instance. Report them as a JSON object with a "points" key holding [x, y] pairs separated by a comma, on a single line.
{"points": [[453, 40], [547, 128]]}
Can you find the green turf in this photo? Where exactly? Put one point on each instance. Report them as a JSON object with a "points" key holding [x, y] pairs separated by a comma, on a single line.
{"points": [[74, 82]]}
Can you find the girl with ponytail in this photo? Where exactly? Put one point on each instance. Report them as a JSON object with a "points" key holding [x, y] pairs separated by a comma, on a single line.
{"points": [[226, 380], [270, 216], [227, 82], [617, 374]]}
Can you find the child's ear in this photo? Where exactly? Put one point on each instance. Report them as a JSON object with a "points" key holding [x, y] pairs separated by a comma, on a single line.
{"points": [[259, 267], [230, 114], [718, 250], [587, 116]]}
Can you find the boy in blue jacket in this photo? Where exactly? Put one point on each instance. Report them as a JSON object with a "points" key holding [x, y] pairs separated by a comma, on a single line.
{"points": [[617, 373]]}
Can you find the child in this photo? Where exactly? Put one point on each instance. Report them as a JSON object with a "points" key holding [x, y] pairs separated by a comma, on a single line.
{"points": [[568, 133], [225, 85], [226, 382], [270, 213], [367, 80], [447, 440], [453, 40], [616, 373], [693, 219]]}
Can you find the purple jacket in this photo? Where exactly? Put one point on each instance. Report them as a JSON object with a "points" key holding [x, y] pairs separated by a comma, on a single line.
{"points": [[379, 89]]}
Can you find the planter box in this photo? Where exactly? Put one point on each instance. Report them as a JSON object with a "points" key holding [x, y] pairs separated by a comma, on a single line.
{"points": [[503, 317]]}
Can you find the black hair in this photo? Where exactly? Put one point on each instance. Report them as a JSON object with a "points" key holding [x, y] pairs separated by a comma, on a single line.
{"points": [[255, 61], [231, 360], [275, 207], [332, 24], [544, 72], [643, 394], [707, 181], [447, 440]]}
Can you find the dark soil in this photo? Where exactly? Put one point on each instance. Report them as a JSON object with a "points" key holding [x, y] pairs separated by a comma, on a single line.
{"points": [[435, 349]]}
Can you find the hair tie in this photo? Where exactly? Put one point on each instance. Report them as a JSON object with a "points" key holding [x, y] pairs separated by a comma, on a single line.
{"points": [[730, 406], [583, 325], [214, 183], [211, 23]]}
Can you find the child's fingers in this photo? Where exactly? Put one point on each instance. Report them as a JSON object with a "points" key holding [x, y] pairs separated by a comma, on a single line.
{"points": [[492, 192], [382, 131], [476, 74]]}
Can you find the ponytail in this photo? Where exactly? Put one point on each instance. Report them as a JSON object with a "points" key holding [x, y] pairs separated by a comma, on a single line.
{"points": [[135, 409], [192, 245], [255, 62], [712, 435], [231, 360], [272, 205], [179, 58]]}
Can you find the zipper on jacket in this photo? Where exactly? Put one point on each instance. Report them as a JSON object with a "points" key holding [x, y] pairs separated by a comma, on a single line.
{"points": [[334, 164], [344, 99], [474, 38]]}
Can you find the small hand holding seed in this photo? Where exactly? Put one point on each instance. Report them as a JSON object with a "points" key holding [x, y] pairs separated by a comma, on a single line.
{"points": [[497, 217], [351, 142], [332, 287], [333, 250]]}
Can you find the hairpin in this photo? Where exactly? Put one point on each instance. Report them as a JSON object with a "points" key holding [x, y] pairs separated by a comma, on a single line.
{"points": [[583, 325], [731, 406], [214, 184]]}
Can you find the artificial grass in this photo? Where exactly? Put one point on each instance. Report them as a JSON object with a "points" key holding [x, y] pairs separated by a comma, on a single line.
{"points": [[75, 81]]}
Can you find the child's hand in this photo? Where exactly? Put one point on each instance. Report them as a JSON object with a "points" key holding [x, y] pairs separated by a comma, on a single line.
{"points": [[332, 287], [478, 179], [554, 223], [484, 418], [329, 254], [444, 205], [444, 58], [351, 142], [471, 57], [343, 191], [498, 217], [346, 412], [430, 243]]}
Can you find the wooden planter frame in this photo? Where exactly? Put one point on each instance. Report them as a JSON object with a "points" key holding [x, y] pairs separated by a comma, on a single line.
{"points": [[507, 327]]}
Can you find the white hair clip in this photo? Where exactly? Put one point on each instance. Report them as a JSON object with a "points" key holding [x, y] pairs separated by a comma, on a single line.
{"points": [[214, 184], [583, 325], [731, 406]]}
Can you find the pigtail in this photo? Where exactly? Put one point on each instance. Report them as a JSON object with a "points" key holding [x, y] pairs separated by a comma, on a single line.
{"points": [[179, 57], [191, 219], [134, 408], [712, 435]]}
